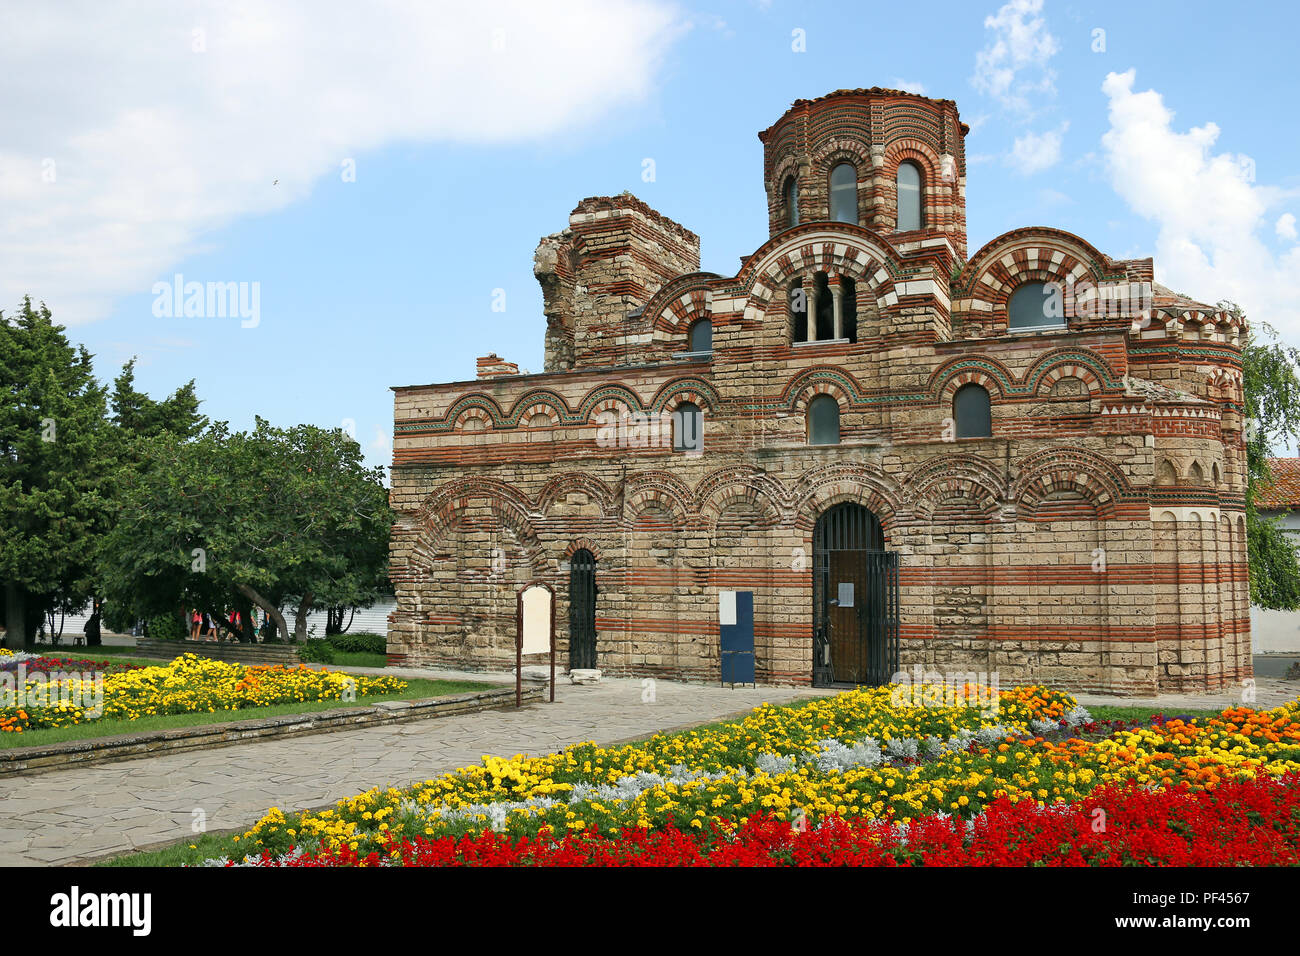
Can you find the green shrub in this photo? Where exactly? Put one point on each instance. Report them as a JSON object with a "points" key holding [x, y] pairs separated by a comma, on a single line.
{"points": [[360, 643], [313, 651], [165, 627]]}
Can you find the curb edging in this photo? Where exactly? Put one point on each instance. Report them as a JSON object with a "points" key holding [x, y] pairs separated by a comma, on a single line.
{"points": [[80, 753]]}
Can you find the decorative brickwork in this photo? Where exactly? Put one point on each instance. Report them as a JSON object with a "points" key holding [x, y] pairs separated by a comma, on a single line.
{"points": [[1094, 540]]}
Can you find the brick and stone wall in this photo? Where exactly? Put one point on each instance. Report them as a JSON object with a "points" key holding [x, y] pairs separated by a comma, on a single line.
{"points": [[1095, 541]]}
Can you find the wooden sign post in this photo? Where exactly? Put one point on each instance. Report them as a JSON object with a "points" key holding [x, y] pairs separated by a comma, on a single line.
{"points": [[534, 630]]}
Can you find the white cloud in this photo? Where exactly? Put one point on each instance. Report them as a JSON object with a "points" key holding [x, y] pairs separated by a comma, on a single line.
{"points": [[1285, 227], [1015, 62], [907, 86], [152, 144], [1034, 152], [1209, 210], [381, 444]]}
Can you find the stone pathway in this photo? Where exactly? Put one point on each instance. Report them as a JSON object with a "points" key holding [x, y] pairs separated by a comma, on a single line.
{"points": [[80, 814], [1269, 692]]}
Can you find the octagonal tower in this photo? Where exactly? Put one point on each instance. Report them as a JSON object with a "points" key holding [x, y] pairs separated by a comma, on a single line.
{"points": [[894, 162]]}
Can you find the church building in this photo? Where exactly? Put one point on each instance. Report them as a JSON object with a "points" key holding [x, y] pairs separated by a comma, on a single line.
{"points": [[1025, 461]]}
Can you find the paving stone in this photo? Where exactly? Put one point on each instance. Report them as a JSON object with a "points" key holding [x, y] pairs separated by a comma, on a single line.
{"points": [[84, 812]]}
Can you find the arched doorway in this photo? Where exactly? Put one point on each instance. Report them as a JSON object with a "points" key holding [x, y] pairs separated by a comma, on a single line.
{"points": [[582, 610], [855, 599]]}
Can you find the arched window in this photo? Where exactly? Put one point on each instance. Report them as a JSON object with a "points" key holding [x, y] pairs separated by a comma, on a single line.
{"points": [[908, 180], [844, 193], [700, 336], [798, 303], [972, 413], [688, 428], [791, 192], [1036, 305], [824, 421]]}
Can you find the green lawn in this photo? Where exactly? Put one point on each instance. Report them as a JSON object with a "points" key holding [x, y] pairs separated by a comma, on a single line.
{"points": [[1144, 714], [415, 690], [68, 649], [358, 659], [208, 846], [341, 658]]}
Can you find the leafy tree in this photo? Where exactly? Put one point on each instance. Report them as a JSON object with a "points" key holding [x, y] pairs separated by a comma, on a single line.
{"points": [[138, 415], [136, 418], [233, 519], [53, 463], [1272, 392]]}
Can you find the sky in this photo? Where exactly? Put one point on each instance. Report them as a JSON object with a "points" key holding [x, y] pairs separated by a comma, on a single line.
{"points": [[372, 179]]}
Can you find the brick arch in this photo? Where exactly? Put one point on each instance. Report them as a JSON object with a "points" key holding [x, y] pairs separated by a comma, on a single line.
{"points": [[822, 488], [1166, 474], [1069, 469], [918, 151], [1047, 381], [673, 393], [821, 380], [530, 403], [1089, 366], [1035, 254], [441, 512], [789, 165], [581, 544], [978, 369], [485, 405], [722, 488], [842, 150], [561, 485], [609, 396], [946, 476], [681, 302], [472, 413], [648, 489], [1075, 252], [867, 259]]}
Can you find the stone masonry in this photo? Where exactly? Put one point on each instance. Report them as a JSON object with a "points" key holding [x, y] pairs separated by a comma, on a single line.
{"points": [[1095, 540]]}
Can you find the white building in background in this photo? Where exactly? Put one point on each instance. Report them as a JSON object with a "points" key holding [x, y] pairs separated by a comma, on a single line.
{"points": [[1278, 632], [370, 620]]}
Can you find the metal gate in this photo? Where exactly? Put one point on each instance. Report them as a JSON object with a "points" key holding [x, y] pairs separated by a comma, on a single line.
{"points": [[855, 599], [582, 610]]}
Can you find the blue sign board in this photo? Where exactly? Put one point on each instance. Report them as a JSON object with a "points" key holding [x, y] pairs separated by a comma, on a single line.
{"points": [[736, 614]]}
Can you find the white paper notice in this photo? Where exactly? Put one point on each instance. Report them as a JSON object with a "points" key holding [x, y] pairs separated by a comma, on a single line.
{"points": [[726, 607], [537, 620]]}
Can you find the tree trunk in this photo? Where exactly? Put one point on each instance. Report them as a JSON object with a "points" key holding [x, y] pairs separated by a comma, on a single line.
{"points": [[15, 616], [300, 618], [281, 627]]}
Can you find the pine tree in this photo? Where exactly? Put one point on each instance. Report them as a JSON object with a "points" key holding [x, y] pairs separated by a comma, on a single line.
{"points": [[54, 463]]}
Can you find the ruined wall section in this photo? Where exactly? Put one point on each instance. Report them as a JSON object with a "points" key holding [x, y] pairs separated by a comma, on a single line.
{"points": [[596, 275]]}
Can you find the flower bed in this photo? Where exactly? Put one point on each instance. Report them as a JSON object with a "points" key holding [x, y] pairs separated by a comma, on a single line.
{"points": [[1252, 822], [45, 664], [189, 684], [854, 756]]}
